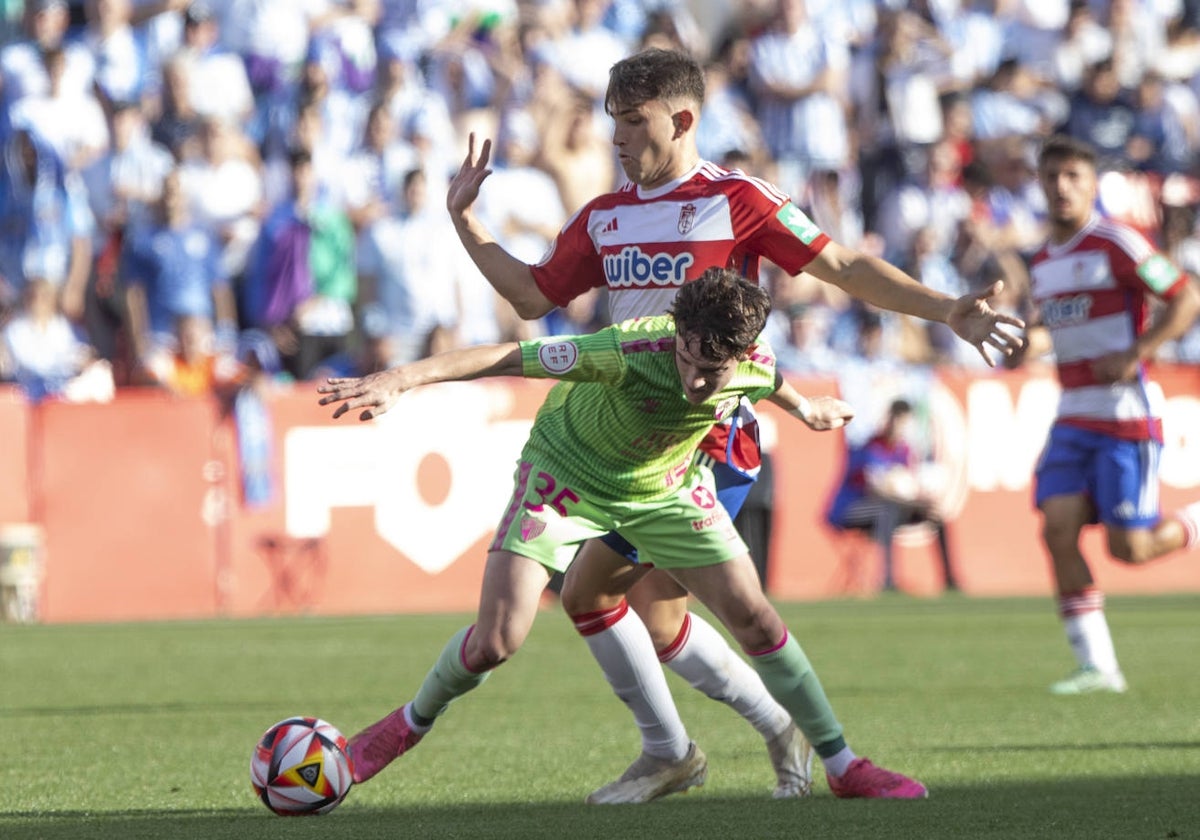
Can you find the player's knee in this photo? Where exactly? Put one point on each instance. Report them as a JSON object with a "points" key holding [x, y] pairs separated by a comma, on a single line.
{"points": [[1059, 536], [756, 630], [487, 651], [581, 600], [1132, 551]]}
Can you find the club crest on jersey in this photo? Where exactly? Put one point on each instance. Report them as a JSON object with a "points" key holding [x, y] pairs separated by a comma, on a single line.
{"points": [[687, 218], [558, 356], [725, 407], [704, 498], [531, 528]]}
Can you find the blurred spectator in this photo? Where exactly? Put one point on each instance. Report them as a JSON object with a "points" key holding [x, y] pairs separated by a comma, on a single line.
{"points": [[42, 350], [1160, 141], [123, 186], [121, 61], [176, 123], [371, 179], [70, 121], [408, 270], [798, 78], [935, 200], [577, 156], [584, 52], [194, 367], [224, 191], [124, 182], [1181, 242], [975, 33], [217, 83], [1034, 31], [1014, 103], [301, 283], [894, 91], [46, 225], [727, 122], [171, 271], [1139, 36], [881, 489], [22, 67], [518, 200], [1101, 115], [1084, 43], [1016, 206], [407, 29]]}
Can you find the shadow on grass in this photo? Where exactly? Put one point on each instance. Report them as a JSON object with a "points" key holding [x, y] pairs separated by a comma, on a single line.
{"points": [[186, 707], [1057, 748], [1159, 807]]}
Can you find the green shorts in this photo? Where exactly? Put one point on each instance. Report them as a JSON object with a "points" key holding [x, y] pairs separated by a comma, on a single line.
{"points": [[546, 521]]}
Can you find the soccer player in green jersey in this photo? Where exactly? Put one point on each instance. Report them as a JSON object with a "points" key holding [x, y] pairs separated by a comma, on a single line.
{"points": [[676, 216], [596, 461]]}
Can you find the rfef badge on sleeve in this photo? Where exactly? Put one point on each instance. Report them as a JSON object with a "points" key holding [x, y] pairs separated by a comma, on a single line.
{"points": [[558, 356]]}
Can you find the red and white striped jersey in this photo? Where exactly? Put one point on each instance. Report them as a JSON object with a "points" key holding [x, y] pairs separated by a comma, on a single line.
{"points": [[644, 244], [1093, 294]]}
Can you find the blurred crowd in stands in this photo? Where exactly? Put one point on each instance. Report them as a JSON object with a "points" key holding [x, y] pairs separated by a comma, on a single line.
{"points": [[199, 194]]}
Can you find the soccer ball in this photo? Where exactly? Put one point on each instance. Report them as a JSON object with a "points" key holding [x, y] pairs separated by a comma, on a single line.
{"points": [[301, 766]]}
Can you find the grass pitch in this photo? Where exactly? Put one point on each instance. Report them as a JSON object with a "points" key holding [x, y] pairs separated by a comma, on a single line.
{"points": [[145, 731]]}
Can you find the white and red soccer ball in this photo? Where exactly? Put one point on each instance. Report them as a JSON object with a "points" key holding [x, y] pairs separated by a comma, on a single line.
{"points": [[301, 766]]}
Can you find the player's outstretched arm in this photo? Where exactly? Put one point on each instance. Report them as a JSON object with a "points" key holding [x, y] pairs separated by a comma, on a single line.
{"points": [[818, 413], [973, 318], [378, 392], [882, 284], [507, 274]]}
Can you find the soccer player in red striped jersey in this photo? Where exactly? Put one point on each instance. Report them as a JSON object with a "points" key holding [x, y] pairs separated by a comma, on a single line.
{"points": [[1093, 284], [678, 216]]}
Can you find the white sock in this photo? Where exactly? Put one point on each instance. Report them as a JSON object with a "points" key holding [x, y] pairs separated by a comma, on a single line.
{"points": [[1189, 518], [1087, 630], [838, 763], [621, 644], [702, 657]]}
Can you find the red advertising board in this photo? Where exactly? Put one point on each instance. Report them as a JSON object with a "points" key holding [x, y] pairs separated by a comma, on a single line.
{"points": [[144, 517]]}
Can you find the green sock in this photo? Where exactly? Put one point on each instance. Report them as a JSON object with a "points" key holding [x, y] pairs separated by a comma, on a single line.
{"points": [[446, 680], [791, 680]]}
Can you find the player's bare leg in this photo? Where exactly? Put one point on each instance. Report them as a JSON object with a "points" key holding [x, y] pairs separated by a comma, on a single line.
{"points": [[1080, 602], [508, 605], [732, 591], [1142, 545]]}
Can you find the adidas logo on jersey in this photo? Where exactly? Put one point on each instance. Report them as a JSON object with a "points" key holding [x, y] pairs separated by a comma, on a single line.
{"points": [[610, 226], [1126, 510], [632, 267]]}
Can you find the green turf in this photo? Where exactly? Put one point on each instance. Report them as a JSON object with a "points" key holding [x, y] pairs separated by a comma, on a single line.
{"points": [[136, 731]]}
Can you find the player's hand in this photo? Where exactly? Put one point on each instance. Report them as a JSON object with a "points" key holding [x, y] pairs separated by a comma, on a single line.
{"points": [[974, 320], [375, 393], [1121, 366], [464, 187], [825, 413]]}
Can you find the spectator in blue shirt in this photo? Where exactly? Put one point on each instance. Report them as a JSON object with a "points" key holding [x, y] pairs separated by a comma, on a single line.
{"points": [[171, 269], [45, 224], [880, 491]]}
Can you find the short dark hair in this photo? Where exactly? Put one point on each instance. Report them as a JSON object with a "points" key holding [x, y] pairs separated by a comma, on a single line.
{"points": [[1062, 147], [900, 407], [654, 74], [723, 311], [299, 156]]}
